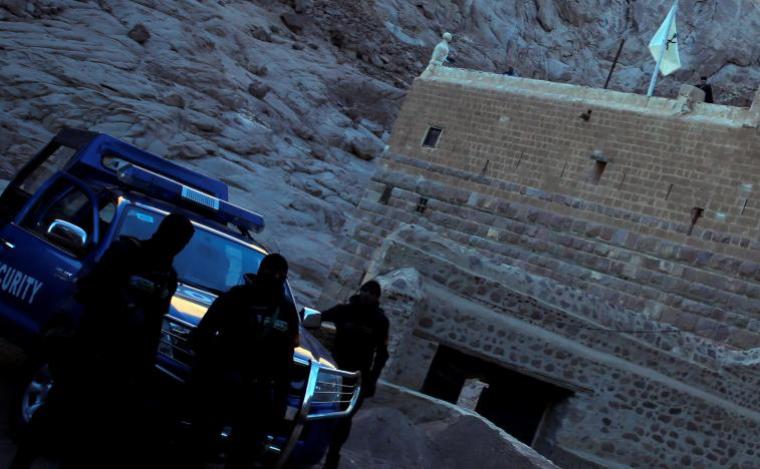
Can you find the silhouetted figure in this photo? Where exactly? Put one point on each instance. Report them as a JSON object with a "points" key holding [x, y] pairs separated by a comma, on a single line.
{"points": [[707, 88], [440, 54], [102, 381], [441, 51], [244, 354], [510, 72], [361, 344]]}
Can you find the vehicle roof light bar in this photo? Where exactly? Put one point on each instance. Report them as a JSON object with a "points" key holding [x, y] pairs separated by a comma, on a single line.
{"points": [[241, 217], [188, 193], [168, 189], [149, 182]]}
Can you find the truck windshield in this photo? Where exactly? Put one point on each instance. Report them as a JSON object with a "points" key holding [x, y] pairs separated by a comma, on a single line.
{"points": [[210, 261]]}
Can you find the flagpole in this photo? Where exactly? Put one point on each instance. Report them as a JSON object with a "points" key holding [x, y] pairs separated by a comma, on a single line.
{"points": [[653, 83]]}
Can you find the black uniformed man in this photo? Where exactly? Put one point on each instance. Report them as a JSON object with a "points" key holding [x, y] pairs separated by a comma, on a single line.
{"points": [[244, 353], [102, 384], [361, 344], [707, 88], [126, 296]]}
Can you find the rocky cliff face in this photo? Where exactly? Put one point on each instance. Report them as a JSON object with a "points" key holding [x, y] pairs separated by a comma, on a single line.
{"points": [[291, 101]]}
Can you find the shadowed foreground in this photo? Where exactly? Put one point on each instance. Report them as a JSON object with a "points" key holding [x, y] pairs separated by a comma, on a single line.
{"points": [[404, 429], [396, 429]]}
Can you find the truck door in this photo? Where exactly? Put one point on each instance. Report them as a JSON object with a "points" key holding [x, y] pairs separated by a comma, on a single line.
{"points": [[41, 252]]}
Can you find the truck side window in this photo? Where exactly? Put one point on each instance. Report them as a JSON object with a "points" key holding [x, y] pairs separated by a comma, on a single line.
{"points": [[31, 177], [60, 202], [106, 214], [54, 163]]}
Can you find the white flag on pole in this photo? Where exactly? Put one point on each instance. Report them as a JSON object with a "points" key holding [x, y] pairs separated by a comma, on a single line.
{"points": [[667, 38]]}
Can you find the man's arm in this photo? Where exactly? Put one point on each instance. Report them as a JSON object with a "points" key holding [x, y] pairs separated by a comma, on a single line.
{"points": [[212, 321], [334, 314], [291, 317], [171, 289]]}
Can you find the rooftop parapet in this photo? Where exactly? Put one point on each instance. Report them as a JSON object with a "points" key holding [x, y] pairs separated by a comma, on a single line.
{"points": [[685, 104]]}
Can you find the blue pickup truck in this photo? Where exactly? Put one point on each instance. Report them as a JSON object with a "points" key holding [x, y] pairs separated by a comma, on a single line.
{"points": [[82, 191]]}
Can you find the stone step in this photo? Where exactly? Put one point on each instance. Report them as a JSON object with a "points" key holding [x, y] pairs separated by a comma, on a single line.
{"points": [[585, 214], [549, 265], [553, 307], [649, 270]]}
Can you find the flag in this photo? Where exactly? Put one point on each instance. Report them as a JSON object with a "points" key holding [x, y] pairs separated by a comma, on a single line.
{"points": [[667, 38]]}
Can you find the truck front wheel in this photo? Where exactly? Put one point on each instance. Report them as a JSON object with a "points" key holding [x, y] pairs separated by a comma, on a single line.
{"points": [[35, 394]]}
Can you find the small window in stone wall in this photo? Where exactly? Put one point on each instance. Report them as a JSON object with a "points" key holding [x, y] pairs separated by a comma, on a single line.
{"points": [[386, 195], [432, 136], [422, 205]]}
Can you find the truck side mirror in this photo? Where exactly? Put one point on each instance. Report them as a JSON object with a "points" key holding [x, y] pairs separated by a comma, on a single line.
{"points": [[312, 319], [68, 234]]}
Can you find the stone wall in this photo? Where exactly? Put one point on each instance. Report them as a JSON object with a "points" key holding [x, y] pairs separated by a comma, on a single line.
{"points": [[607, 283], [661, 162], [514, 169], [636, 403]]}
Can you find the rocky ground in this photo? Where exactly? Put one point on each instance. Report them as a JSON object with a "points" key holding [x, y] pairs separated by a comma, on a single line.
{"points": [[397, 429], [291, 101]]}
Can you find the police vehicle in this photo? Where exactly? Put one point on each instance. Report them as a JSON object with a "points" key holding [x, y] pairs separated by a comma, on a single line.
{"points": [[84, 190]]}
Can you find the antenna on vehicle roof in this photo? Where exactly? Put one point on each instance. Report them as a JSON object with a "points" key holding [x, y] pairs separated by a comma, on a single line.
{"points": [[244, 232]]}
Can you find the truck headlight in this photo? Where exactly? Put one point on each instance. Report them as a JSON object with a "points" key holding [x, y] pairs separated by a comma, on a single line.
{"points": [[329, 389]]}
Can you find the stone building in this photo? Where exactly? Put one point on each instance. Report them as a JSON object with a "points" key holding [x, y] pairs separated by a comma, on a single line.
{"points": [[592, 256]]}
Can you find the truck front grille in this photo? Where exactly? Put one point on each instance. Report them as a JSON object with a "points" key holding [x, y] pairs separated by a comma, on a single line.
{"points": [[318, 392]]}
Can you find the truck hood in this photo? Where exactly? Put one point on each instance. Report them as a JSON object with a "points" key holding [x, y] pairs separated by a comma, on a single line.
{"points": [[190, 304]]}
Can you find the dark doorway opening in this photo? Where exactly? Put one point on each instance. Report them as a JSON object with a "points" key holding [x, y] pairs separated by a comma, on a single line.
{"points": [[696, 214], [431, 137], [517, 403], [596, 174]]}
